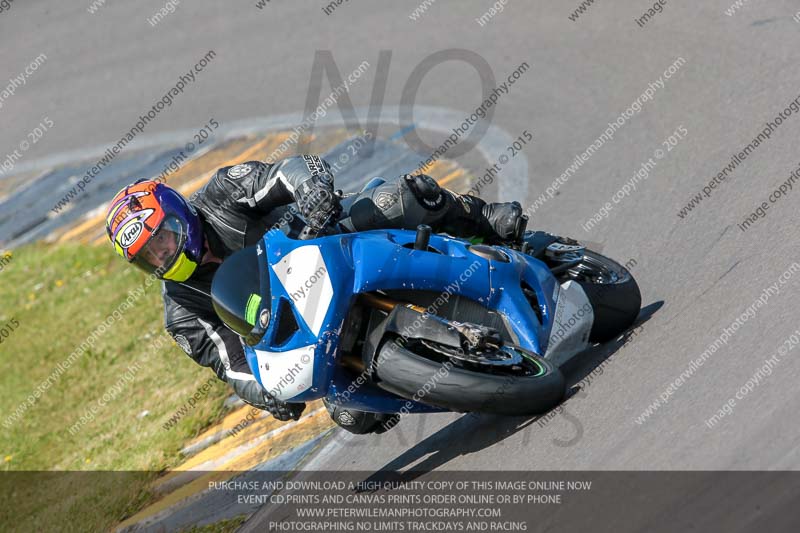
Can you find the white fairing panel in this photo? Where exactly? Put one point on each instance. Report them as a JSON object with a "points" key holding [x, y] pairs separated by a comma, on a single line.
{"points": [[286, 374], [572, 323], [304, 275]]}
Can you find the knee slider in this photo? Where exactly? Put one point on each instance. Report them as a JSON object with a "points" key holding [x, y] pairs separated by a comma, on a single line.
{"points": [[356, 422]]}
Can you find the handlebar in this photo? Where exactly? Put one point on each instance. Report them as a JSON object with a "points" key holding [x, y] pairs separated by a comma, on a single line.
{"points": [[330, 227]]}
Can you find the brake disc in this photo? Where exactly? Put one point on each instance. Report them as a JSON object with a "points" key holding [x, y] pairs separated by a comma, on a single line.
{"points": [[594, 272], [499, 357]]}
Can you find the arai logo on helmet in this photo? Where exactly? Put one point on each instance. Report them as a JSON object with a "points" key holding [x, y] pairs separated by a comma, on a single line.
{"points": [[130, 234]]}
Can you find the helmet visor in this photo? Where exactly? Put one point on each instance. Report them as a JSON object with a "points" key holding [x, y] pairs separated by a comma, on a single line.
{"points": [[163, 248]]}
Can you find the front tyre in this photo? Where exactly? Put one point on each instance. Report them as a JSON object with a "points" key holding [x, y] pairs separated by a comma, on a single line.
{"points": [[532, 387], [611, 290]]}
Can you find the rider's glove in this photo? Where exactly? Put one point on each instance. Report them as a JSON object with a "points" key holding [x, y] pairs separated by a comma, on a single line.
{"points": [[283, 411], [316, 200]]}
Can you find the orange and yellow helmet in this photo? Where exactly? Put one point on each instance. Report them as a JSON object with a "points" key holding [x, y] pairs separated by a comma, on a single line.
{"points": [[155, 228]]}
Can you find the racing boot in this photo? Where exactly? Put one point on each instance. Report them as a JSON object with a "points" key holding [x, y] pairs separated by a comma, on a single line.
{"points": [[417, 199]]}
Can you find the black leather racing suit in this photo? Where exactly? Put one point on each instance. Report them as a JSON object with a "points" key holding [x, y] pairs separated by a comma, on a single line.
{"points": [[241, 203]]}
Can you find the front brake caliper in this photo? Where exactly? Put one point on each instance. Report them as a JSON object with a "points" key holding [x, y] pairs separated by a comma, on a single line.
{"points": [[477, 337]]}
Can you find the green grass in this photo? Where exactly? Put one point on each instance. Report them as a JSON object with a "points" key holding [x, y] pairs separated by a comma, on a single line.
{"points": [[225, 526], [59, 295]]}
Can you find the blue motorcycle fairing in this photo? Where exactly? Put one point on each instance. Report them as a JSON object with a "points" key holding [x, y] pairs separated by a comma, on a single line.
{"points": [[317, 281]]}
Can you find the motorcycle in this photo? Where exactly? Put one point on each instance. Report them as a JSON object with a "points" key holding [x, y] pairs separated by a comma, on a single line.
{"points": [[403, 321]]}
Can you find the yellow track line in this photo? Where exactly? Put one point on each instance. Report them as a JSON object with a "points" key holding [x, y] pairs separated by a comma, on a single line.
{"points": [[196, 172], [454, 175], [271, 445], [259, 426]]}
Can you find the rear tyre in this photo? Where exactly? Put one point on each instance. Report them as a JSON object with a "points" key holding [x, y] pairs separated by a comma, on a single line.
{"points": [[613, 293], [537, 387]]}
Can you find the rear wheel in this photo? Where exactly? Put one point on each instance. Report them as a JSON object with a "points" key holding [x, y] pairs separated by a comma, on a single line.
{"points": [[507, 380], [611, 290]]}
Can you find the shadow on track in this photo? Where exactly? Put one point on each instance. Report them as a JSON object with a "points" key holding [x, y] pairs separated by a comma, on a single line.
{"points": [[585, 363], [474, 432]]}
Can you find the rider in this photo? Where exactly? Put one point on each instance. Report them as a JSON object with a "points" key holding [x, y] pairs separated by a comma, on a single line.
{"points": [[183, 242]]}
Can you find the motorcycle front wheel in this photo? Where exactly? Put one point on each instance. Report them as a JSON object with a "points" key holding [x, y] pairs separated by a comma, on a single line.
{"points": [[525, 384], [611, 290]]}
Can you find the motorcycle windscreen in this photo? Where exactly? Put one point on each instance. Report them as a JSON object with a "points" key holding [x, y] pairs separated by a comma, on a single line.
{"points": [[240, 294]]}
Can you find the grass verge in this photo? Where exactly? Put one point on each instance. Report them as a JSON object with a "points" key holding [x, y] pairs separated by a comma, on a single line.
{"points": [[126, 386]]}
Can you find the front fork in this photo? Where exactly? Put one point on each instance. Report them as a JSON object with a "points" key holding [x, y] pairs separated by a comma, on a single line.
{"points": [[472, 336]]}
